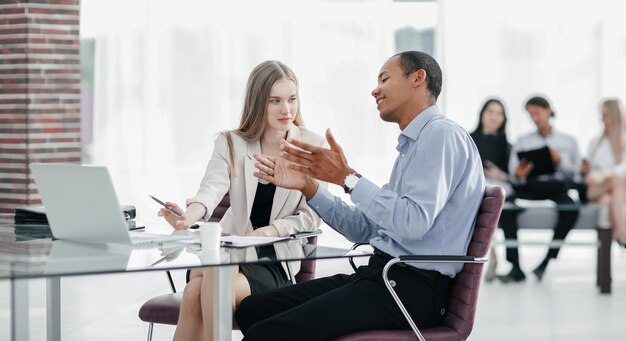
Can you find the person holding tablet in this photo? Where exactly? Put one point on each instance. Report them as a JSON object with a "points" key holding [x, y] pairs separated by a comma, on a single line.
{"points": [[565, 157], [271, 112]]}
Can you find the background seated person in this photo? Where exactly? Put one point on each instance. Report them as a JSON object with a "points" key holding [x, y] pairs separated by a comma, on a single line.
{"points": [[605, 167], [565, 156], [495, 149]]}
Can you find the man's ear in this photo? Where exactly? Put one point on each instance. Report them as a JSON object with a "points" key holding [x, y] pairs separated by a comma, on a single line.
{"points": [[418, 77]]}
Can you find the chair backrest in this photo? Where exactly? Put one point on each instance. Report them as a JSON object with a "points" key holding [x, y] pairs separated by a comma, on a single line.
{"points": [[461, 311], [307, 267], [221, 209]]}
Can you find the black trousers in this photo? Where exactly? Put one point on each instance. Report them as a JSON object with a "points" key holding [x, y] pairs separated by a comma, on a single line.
{"points": [[539, 190], [329, 307]]}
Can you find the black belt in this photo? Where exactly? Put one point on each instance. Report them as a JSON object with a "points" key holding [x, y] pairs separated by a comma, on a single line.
{"points": [[430, 274]]}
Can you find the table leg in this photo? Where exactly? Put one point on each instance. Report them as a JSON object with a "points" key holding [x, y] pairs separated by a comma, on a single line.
{"points": [[19, 309], [604, 260], [53, 308], [223, 303]]}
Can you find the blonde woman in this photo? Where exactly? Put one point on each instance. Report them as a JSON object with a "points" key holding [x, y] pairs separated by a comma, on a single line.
{"points": [[605, 168], [271, 112]]}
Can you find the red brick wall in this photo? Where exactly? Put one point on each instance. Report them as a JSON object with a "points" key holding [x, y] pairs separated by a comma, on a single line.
{"points": [[39, 92]]}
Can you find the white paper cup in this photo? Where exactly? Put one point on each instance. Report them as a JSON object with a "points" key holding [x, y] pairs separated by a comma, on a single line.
{"points": [[210, 234]]}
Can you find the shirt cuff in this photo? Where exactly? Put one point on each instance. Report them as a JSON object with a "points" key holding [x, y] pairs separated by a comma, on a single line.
{"points": [[322, 202], [206, 211], [364, 193]]}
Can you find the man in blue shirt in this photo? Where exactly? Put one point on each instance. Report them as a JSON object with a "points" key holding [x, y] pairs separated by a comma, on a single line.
{"points": [[428, 207]]}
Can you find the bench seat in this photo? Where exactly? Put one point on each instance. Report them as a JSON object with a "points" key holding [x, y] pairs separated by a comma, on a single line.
{"points": [[592, 216]]}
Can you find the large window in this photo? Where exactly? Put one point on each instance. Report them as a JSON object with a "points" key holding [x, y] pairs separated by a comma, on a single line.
{"points": [[573, 52], [169, 75]]}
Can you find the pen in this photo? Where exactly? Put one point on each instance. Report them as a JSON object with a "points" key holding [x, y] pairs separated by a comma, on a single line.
{"points": [[137, 228], [169, 208]]}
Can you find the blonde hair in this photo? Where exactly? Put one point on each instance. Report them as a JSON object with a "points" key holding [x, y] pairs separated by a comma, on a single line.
{"points": [[253, 116], [615, 132]]}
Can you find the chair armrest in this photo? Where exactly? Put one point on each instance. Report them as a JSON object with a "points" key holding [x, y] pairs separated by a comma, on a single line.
{"points": [[351, 259], [169, 277], [422, 259], [441, 259]]}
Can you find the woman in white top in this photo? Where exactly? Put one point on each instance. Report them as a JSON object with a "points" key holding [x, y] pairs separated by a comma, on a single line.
{"points": [[605, 168], [271, 112]]}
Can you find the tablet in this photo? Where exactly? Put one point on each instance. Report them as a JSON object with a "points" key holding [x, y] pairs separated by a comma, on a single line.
{"points": [[541, 159]]}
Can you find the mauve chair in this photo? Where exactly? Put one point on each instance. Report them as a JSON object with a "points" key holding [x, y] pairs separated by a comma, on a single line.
{"points": [[164, 309], [461, 310]]}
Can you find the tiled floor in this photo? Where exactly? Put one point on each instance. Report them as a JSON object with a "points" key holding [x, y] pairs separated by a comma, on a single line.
{"points": [[565, 306]]}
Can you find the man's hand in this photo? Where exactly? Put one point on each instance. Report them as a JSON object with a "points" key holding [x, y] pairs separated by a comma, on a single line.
{"points": [[523, 168], [328, 165], [556, 157]]}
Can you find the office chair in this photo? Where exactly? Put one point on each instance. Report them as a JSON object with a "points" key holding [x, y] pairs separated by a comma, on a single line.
{"points": [[164, 309], [461, 310]]}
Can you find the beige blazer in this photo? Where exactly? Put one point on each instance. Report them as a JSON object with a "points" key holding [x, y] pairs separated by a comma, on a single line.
{"points": [[290, 212]]}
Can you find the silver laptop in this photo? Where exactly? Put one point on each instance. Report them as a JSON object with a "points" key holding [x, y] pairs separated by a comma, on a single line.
{"points": [[81, 205]]}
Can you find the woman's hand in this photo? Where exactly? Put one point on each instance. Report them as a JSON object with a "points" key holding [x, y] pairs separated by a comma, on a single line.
{"points": [[266, 231], [494, 172], [597, 178], [178, 223], [585, 167], [276, 170]]}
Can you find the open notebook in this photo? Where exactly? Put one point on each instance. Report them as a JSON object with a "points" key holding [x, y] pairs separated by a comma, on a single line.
{"points": [[247, 241]]}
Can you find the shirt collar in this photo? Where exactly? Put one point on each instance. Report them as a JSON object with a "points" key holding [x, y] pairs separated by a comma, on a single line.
{"points": [[413, 129], [551, 133]]}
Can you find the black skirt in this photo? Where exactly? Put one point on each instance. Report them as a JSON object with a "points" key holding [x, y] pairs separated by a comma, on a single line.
{"points": [[264, 276]]}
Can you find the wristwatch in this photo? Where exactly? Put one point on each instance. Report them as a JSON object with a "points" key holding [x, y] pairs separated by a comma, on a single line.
{"points": [[350, 182]]}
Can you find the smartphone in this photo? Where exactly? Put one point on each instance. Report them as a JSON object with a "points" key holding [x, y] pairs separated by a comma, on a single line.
{"points": [[171, 209]]}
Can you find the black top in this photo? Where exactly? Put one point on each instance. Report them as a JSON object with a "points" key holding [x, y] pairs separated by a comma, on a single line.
{"points": [[493, 147], [260, 214]]}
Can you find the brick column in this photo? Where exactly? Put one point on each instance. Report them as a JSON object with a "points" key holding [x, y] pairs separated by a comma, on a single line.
{"points": [[39, 92]]}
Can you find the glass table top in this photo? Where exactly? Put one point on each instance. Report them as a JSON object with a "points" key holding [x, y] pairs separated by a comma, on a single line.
{"points": [[29, 251]]}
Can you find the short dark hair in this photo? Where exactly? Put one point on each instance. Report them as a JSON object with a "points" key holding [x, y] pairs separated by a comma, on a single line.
{"points": [[540, 101], [411, 61]]}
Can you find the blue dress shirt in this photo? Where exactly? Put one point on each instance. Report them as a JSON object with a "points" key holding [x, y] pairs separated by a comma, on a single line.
{"points": [[430, 203]]}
